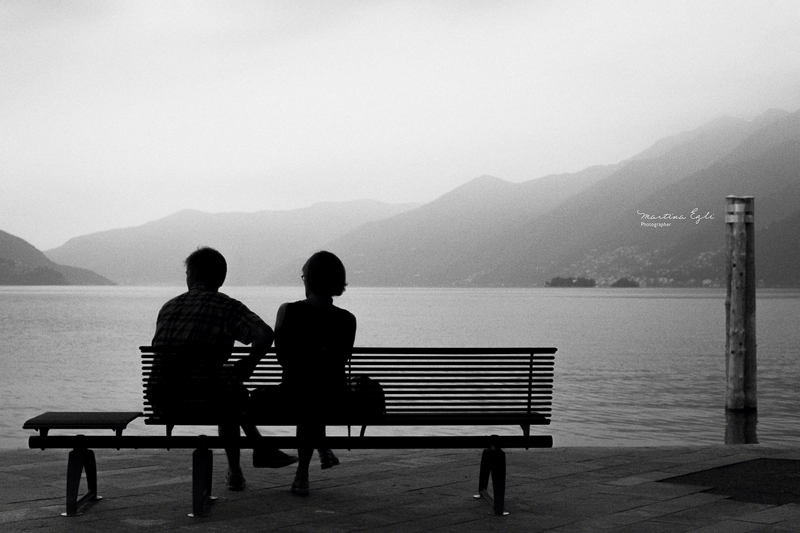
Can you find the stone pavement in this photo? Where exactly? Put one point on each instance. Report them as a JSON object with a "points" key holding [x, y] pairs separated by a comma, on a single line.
{"points": [[556, 490]]}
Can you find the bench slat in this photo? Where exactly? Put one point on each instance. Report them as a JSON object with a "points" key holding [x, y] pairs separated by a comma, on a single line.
{"points": [[422, 386]]}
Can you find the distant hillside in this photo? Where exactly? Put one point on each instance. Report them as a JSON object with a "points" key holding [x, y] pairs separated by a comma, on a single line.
{"points": [[595, 224], [444, 242], [766, 165], [253, 243], [776, 253], [23, 264], [493, 233], [591, 224]]}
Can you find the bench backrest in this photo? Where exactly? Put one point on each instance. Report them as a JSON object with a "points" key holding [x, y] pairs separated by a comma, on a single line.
{"points": [[421, 386]]}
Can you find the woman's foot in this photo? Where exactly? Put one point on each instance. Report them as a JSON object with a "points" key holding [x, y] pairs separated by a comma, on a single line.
{"points": [[300, 485], [327, 459]]}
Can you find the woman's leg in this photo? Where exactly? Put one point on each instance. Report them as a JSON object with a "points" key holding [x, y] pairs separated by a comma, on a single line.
{"points": [[327, 458], [300, 485]]}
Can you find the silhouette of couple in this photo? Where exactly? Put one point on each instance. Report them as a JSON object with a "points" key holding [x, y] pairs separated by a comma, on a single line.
{"points": [[313, 341]]}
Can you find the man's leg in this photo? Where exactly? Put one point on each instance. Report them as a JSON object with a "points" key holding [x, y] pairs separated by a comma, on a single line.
{"points": [[267, 457], [230, 430], [264, 457], [235, 477]]}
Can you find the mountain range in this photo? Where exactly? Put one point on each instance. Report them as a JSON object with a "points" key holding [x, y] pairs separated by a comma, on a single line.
{"points": [[656, 218], [253, 243], [594, 224], [23, 264]]}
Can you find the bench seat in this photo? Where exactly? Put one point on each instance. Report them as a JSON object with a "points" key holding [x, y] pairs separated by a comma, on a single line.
{"points": [[114, 420]]}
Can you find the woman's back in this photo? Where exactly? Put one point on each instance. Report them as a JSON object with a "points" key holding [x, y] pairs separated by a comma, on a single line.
{"points": [[313, 344]]}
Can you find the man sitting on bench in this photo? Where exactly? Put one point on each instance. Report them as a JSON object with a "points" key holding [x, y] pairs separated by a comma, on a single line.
{"points": [[205, 323]]}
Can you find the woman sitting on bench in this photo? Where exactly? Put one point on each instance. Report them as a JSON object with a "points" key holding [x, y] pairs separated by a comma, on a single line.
{"points": [[313, 342]]}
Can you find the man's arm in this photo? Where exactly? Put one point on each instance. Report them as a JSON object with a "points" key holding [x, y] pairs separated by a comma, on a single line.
{"points": [[263, 336]]}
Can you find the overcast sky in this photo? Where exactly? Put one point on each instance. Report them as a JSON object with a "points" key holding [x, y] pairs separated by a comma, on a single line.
{"points": [[114, 113]]}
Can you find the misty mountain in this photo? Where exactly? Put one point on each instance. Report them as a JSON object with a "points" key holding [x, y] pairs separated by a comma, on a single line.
{"points": [[597, 224], [445, 242], [253, 243], [776, 252], [759, 159], [22, 264], [493, 233]]}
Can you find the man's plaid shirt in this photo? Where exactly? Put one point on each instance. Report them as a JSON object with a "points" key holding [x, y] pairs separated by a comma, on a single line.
{"points": [[206, 318]]}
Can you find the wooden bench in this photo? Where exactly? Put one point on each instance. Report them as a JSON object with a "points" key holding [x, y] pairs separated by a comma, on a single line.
{"points": [[470, 388]]}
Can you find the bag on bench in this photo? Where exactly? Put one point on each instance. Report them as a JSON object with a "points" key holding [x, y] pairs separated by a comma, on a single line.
{"points": [[369, 400]]}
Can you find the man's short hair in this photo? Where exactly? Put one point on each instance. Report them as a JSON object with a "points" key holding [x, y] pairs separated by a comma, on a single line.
{"points": [[325, 275], [206, 265]]}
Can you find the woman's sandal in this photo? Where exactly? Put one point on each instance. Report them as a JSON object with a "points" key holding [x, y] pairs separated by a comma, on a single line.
{"points": [[327, 459], [300, 486]]}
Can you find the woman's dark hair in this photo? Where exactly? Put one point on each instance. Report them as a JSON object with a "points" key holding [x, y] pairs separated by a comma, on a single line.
{"points": [[325, 275], [206, 265]]}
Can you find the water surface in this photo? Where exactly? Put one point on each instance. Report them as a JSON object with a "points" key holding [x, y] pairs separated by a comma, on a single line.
{"points": [[634, 366]]}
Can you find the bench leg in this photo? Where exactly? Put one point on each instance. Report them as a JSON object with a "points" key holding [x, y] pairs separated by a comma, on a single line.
{"points": [[486, 470], [80, 460], [202, 467], [493, 462], [499, 481]]}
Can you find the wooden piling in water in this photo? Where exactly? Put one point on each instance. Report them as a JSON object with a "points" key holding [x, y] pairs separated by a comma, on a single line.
{"points": [[740, 306]]}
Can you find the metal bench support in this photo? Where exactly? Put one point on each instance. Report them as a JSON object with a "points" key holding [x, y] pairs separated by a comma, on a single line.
{"points": [[493, 461], [202, 468], [80, 460]]}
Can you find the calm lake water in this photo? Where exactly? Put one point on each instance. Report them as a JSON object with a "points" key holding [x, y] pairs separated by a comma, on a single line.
{"points": [[634, 367]]}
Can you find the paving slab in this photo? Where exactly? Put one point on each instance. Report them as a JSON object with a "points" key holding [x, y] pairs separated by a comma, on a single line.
{"points": [[563, 490]]}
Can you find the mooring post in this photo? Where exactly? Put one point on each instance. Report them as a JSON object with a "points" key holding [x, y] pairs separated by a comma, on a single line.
{"points": [[740, 306]]}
